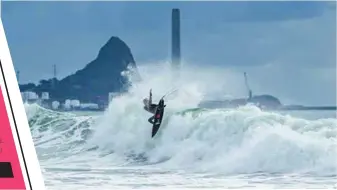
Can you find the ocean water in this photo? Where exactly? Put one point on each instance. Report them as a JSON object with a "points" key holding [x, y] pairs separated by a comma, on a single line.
{"points": [[238, 148]]}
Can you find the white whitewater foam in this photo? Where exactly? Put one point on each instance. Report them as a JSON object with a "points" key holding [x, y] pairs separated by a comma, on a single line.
{"points": [[243, 142]]}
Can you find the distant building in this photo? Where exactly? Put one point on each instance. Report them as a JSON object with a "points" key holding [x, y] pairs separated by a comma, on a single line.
{"points": [[45, 96], [30, 97], [55, 105]]}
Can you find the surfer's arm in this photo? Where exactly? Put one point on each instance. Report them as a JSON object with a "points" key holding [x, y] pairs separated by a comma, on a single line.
{"points": [[150, 97]]}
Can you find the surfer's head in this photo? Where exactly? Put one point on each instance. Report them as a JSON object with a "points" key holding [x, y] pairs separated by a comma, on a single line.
{"points": [[161, 102]]}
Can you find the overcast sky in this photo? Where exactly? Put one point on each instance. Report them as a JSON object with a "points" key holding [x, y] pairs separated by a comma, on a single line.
{"points": [[288, 48]]}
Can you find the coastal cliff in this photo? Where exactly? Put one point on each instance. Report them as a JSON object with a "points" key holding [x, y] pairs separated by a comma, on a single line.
{"points": [[94, 82]]}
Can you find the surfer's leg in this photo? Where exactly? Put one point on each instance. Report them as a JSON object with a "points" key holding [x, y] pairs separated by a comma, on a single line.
{"points": [[151, 120]]}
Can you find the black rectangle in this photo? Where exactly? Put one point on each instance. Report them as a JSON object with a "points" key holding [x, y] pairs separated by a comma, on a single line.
{"points": [[6, 170]]}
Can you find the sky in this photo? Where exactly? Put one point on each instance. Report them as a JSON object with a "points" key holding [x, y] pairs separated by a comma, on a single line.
{"points": [[287, 48]]}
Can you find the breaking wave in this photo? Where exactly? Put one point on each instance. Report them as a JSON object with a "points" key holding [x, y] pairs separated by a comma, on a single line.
{"points": [[242, 140]]}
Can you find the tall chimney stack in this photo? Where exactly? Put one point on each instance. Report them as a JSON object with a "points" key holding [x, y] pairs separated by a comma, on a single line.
{"points": [[176, 41]]}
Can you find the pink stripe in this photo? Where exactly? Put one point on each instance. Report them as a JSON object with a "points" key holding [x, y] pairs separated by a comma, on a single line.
{"points": [[9, 151]]}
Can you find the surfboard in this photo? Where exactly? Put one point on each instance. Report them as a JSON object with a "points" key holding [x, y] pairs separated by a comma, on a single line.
{"points": [[158, 117]]}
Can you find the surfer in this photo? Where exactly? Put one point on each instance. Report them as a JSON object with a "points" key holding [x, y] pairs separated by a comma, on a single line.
{"points": [[150, 107]]}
